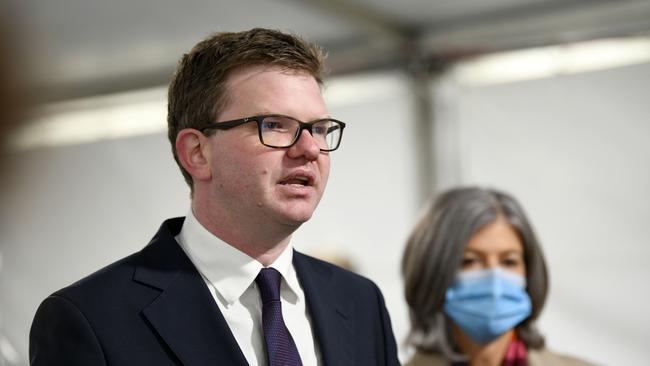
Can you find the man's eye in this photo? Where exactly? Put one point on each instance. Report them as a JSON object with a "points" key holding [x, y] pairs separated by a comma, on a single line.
{"points": [[277, 124], [270, 125]]}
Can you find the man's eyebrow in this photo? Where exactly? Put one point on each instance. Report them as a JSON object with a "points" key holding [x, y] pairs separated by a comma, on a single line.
{"points": [[267, 112]]}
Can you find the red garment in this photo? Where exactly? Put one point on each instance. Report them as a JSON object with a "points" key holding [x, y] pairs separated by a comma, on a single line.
{"points": [[516, 354]]}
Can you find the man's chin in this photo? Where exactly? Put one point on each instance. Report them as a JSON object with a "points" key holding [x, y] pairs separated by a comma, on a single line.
{"points": [[297, 220], [296, 216], [294, 212]]}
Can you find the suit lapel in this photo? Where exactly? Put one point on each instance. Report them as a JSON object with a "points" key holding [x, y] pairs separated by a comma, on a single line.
{"points": [[328, 310], [184, 315]]}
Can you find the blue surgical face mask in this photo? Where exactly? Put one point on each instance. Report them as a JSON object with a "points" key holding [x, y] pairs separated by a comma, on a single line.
{"points": [[487, 303]]}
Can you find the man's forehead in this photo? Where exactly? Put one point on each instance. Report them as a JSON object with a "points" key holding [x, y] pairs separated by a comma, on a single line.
{"points": [[243, 74], [264, 89]]}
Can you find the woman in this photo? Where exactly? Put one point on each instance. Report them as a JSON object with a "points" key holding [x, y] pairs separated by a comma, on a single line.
{"points": [[475, 282]]}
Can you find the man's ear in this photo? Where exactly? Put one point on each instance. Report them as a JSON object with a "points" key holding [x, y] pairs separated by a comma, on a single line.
{"points": [[193, 153]]}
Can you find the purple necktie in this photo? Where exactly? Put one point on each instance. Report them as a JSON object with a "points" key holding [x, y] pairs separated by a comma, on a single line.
{"points": [[280, 348]]}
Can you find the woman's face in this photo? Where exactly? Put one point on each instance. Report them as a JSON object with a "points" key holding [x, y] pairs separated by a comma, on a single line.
{"points": [[496, 245]]}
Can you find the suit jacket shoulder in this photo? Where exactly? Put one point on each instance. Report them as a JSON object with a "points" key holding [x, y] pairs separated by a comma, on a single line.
{"points": [[349, 314], [151, 308]]}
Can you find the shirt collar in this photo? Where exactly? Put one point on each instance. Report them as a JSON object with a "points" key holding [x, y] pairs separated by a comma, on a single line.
{"points": [[228, 269]]}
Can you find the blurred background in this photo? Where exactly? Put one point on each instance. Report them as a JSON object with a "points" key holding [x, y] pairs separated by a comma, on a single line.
{"points": [[546, 99]]}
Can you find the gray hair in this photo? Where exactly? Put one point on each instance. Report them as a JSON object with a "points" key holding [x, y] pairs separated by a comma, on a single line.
{"points": [[434, 253]]}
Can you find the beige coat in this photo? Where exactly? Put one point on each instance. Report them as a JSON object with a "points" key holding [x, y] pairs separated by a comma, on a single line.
{"points": [[541, 357]]}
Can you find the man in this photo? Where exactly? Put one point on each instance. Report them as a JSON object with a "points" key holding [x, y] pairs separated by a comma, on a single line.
{"points": [[223, 286]]}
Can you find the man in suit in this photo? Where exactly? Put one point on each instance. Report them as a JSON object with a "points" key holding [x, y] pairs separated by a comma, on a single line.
{"points": [[224, 286]]}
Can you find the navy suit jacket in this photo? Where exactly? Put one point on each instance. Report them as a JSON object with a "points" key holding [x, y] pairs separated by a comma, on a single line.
{"points": [[153, 308]]}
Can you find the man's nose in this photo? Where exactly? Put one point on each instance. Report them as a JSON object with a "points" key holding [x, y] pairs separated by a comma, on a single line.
{"points": [[305, 146]]}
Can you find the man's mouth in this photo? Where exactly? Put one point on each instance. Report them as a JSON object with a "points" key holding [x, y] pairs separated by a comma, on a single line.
{"points": [[299, 180]]}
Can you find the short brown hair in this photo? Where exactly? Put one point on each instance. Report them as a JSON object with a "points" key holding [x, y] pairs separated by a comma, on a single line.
{"points": [[434, 252], [197, 93]]}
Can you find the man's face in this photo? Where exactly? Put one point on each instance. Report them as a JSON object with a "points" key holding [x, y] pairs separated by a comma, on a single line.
{"points": [[257, 183]]}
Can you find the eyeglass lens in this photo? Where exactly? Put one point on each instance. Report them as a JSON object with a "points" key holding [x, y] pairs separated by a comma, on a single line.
{"points": [[279, 131]]}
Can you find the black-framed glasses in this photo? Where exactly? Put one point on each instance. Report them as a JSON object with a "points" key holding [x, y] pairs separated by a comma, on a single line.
{"points": [[276, 130]]}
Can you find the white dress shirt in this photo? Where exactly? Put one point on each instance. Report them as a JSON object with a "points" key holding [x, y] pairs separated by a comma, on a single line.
{"points": [[230, 276]]}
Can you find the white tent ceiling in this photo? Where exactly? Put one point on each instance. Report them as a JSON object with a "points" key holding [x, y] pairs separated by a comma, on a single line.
{"points": [[84, 47]]}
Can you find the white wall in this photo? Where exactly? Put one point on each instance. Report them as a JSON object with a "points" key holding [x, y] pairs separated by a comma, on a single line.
{"points": [[575, 150]]}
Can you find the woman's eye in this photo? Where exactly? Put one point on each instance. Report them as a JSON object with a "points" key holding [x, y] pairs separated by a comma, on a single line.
{"points": [[467, 262], [511, 262]]}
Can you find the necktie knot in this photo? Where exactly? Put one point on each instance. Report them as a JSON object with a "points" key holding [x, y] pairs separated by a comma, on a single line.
{"points": [[268, 280]]}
